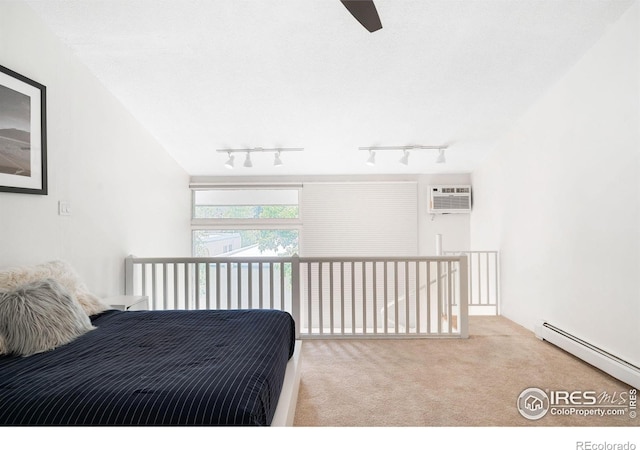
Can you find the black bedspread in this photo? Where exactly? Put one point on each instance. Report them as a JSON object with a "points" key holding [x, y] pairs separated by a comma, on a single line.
{"points": [[155, 368]]}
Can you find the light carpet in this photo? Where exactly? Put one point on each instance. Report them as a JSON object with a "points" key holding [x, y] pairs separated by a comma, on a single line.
{"points": [[444, 382]]}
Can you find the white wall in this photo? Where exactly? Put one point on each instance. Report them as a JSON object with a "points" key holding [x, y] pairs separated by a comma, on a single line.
{"points": [[127, 195], [560, 198]]}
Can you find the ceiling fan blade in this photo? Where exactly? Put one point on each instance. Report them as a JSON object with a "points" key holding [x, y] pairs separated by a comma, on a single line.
{"points": [[365, 12]]}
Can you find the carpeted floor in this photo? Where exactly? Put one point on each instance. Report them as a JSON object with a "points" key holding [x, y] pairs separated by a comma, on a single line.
{"points": [[424, 382]]}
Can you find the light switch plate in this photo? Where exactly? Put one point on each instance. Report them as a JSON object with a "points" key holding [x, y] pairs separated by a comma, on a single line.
{"points": [[64, 208]]}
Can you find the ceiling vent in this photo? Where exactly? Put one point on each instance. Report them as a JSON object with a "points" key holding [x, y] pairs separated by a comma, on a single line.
{"points": [[450, 199]]}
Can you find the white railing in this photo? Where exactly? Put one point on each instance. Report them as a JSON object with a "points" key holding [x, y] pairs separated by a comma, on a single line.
{"points": [[328, 297], [373, 297], [212, 283], [483, 283]]}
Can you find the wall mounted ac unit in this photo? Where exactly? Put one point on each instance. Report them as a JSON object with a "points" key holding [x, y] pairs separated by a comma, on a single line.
{"points": [[449, 199]]}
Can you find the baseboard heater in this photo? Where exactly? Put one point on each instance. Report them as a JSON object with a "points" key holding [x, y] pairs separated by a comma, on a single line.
{"points": [[605, 361]]}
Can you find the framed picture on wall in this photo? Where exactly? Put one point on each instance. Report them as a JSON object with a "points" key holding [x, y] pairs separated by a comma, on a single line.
{"points": [[23, 139]]}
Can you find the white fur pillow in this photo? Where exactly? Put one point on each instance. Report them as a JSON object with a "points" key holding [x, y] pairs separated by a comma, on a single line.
{"points": [[40, 316], [60, 271]]}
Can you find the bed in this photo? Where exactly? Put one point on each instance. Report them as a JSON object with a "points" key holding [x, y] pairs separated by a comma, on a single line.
{"points": [[158, 368]]}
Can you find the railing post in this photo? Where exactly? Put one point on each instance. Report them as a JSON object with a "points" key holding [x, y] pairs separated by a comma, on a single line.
{"points": [[295, 292], [128, 275], [464, 297], [439, 245]]}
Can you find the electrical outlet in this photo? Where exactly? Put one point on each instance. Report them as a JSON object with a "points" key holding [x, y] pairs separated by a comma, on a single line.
{"points": [[64, 208]]}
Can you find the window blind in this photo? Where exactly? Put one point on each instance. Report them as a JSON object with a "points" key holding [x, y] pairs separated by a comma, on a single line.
{"points": [[360, 219]]}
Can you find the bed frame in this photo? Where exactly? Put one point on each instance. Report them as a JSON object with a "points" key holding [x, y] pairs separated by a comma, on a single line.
{"points": [[286, 409]]}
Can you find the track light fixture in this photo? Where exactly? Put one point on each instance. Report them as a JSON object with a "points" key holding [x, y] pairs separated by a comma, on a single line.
{"points": [[372, 158], [229, 163], [247, 160], [277, 160], [405, 157], [405, 152]]}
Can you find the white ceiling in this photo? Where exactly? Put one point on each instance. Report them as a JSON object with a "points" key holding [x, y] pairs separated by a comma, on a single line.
{"points": [[202, 75]]}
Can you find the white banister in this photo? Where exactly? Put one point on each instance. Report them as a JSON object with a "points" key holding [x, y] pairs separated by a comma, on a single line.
{"points": [[401, 297], [483, 286], [327, 297]]}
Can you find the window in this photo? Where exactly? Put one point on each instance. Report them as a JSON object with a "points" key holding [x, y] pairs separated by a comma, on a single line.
{"points": [[340, 219], [360, 219], [245, 242], [245, 221], [246, 204]]}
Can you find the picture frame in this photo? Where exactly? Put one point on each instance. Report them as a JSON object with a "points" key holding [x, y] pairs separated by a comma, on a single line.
{"points": [[23, 137]]}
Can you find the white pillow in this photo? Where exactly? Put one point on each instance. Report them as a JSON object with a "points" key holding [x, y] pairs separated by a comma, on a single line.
{"points": [[40, 316], [60, 271]]}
